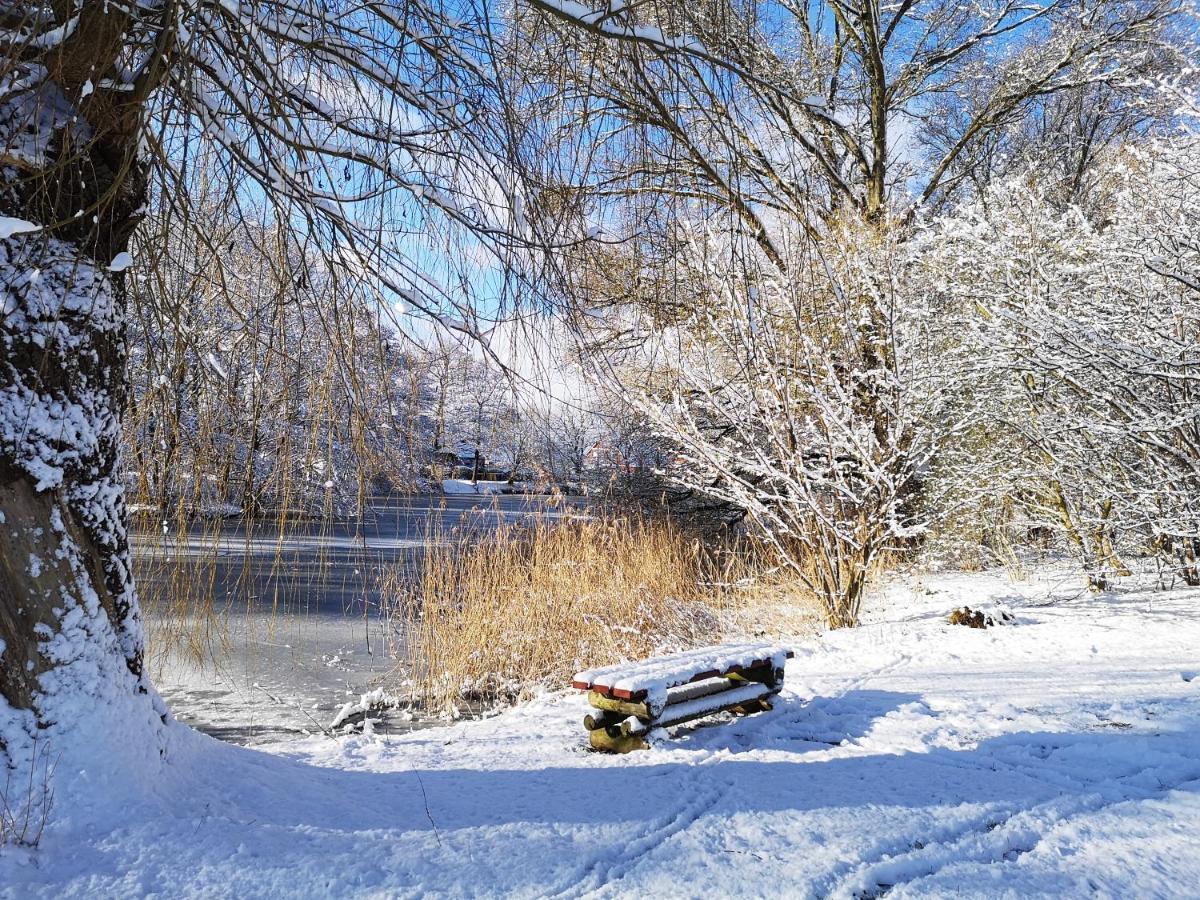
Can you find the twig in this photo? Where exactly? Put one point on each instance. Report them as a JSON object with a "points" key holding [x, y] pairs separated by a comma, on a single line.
{"points": [[428, 814], [325, 731]]}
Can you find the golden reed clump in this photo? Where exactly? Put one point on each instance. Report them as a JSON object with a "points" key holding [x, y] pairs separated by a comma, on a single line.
{"points": [[494, 619]]}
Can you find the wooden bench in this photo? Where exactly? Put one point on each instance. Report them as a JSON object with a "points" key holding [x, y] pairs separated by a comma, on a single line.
{"points": [[631, 699]]}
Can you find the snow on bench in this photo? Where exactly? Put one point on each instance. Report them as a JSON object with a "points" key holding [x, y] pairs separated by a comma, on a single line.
{"points": [[636, 681], [636, 697]]}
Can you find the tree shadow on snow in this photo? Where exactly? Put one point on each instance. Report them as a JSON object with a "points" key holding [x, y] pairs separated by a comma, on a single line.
{"points": [[1013, 772], [568, 805]]}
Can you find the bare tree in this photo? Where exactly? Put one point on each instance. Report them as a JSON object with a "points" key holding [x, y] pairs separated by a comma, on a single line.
{"points": [[770, 108]]}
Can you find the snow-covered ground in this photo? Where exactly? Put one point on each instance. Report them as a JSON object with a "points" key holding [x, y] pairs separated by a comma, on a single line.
{"points": [[1059, 756]]}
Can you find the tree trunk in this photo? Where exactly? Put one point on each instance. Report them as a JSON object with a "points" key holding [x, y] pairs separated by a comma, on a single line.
{"points": [[70, 632], [69, 622]]}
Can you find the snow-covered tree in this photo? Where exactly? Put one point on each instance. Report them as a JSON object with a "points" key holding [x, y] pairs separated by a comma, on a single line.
{"points": [[245, 395], [793, 145], [1084, 339], [368, 128], [812, 401]]}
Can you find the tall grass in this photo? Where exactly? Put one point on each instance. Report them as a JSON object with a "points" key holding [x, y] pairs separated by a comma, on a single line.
{"points": [[494, 618]]}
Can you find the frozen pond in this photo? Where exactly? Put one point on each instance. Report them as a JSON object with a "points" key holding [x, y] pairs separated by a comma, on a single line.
{"points": [[295, 627]]}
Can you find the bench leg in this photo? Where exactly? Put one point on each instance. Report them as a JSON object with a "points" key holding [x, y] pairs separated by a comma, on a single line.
{"points": [[746, 709], [763, 675], [603, 739], [598, 719]]}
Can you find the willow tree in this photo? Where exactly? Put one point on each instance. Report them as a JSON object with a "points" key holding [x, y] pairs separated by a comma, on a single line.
{"points": [[364, 127]]}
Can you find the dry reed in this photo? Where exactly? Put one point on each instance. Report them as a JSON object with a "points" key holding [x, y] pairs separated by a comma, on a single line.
{"points": [[494, 619]]}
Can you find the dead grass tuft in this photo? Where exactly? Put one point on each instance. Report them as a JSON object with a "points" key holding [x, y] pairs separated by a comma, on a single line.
{"points": [[25, 806]]}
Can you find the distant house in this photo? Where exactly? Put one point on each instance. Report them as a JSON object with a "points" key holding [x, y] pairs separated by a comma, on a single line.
{"points": [[464, 461], [457, 458], [443, 459], [604, 457]]}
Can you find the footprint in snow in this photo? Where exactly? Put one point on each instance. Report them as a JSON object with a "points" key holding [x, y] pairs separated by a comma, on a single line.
{"points": [[1188, 676]]}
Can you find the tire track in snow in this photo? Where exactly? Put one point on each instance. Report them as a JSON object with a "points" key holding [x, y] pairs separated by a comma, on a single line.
{"points": [[990, 837], [994, 837], [617, 860], [998, 834]]}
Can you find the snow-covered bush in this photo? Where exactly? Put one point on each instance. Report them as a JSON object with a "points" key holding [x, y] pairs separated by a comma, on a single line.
{"points": [[810, 397], [1084, 337]]}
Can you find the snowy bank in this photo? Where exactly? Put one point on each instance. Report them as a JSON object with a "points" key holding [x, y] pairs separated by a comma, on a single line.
{"points": [[1056, 756], [456, 486]]}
